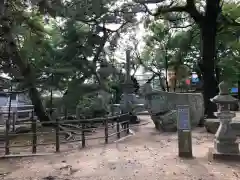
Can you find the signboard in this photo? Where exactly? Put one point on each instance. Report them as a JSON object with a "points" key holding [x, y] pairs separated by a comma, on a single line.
{"points": [[184, 131], [195, 78], [183, 117], [234, 90]]}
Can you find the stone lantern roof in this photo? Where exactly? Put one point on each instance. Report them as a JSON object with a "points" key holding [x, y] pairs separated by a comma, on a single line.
{"points": [[224, 96]]}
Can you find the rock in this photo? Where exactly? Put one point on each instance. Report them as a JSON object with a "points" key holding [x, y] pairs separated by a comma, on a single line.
{"points": [[212, 125], [166, 121], [162, 107]]}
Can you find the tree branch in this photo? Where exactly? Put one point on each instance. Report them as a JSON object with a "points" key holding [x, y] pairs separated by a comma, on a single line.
{"points": [[189, 8], [149, 1], [193, 12], [164, 10], [227, 20], [147, 10], [181, 27], [145, 66]]}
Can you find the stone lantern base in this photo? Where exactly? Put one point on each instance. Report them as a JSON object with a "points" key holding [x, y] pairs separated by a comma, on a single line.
{"points": [[226, 147], [213, 154]]}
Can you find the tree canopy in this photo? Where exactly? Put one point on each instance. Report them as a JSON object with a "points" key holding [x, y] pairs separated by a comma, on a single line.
{"points": [[60, 45]]}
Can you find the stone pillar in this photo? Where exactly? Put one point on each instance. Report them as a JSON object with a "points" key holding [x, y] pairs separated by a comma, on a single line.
{"points": [[128, 88], [128, 69], [225, 138], [128, 105]]}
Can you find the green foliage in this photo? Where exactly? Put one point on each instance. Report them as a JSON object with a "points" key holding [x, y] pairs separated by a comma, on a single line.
{"points": [[166, 48], [229, 44], [90, 106], [64, 41], [182, 45]]}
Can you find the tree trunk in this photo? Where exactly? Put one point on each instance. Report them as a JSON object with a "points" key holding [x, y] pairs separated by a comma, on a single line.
{"points": [[27, 72], [208, 35], [161, 82], [166, 74], [29, 77], [217, 71], [38, 106], [23, 65], [238, 84]]}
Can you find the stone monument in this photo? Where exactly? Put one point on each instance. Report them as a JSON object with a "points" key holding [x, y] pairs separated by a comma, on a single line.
{"points": [[127, 105], [225, 144], [162, 106]]}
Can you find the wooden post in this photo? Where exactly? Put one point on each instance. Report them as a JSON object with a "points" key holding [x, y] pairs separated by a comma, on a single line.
{"points": [[51, 96], [106, 130], [112, 113], [83, 135], [127, 126], [125, 123], [7, 151], [112, 124], [34, 130], [184, 131], [65, 113], [118, 128], [57, 129], [14, 121]]}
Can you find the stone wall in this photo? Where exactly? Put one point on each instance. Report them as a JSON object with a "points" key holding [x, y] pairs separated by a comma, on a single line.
{"points": [[161, 103]]}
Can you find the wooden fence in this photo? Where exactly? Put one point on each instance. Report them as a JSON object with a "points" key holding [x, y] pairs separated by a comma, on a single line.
{"points": [[118, 124]]}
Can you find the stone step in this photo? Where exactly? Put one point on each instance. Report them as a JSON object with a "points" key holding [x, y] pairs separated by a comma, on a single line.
{"points": [[212, 125]]}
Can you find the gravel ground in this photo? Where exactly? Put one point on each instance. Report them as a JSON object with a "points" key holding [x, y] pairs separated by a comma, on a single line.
{"points": [[147, 155]]}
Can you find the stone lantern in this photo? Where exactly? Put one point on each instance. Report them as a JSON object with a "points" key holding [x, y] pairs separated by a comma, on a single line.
{"points": [[127, 100], [128, 103], [225, 137]]}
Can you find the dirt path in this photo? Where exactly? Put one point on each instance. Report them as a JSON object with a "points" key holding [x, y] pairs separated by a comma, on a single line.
{"points": [[148, 155]]}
